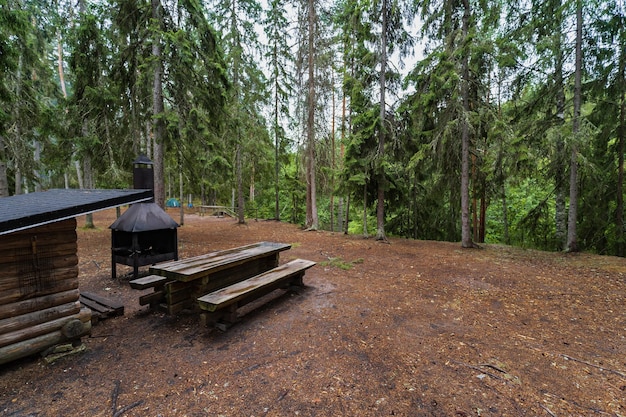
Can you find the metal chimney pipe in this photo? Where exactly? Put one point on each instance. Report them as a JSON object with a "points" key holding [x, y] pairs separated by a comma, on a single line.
{"points": [[143, 174]]}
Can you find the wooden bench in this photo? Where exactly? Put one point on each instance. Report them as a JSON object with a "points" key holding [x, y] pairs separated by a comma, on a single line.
{"points": [[101, 307], [222, 305], [157, 282], [219, 211], [199, 275]]}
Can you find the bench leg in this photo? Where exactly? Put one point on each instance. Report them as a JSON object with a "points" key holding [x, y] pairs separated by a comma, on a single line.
{"points": [[222, 319], [230, 315], [295, 281]]}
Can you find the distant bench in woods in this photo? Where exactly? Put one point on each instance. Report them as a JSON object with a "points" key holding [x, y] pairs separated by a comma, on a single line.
{"points": [[218, 283], [219, 211]]}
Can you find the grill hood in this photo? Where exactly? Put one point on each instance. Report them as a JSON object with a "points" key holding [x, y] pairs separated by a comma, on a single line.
{"points": [[143, 217]]}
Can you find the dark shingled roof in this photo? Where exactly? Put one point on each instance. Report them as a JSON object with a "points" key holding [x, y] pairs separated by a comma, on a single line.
{"points": [[144, 217], [25, 211]]}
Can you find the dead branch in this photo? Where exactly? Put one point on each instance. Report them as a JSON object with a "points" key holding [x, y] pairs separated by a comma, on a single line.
{"points": [[618, 373], [124, 409], [114, 395], [547, 410], [477, 368]]}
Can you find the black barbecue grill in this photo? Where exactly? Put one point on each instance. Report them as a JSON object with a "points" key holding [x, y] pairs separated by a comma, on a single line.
{"points": [[145, 234]]}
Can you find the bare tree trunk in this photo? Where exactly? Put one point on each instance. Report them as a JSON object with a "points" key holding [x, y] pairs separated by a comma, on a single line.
{"points": [[620, 178], [37, 160], [380, 201], [621, 132], [181, 189], [365, 232], [60, 65], [312, 221], [505, 216], [4, 182], [560, 216], [88, 182], [158, 109], [240, 201], [79, 174], [332, 160], [276, 142], [572, 240], [18, 181], [466, 237]]}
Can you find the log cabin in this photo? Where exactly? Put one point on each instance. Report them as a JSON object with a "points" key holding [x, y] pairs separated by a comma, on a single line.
{"points": [[39, 286]]}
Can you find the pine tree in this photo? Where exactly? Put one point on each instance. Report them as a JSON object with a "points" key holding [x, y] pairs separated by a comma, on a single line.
{"points": [[280, 62]]}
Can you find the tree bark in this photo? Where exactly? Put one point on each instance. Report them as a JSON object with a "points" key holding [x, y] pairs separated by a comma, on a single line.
{"points": [[276, 140], [240, 202], [560, 216], [621, 132], [365, 233], [158, 125], [466, 237], [380, 202], [312, 222], [572, 240], [4, 182], [620, 178]]}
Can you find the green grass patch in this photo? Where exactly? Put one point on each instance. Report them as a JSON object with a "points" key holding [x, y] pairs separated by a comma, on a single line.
{"points": [[340, 263]]}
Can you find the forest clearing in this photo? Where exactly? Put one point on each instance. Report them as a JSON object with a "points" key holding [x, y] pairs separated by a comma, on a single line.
{"points": [[409, 328]]}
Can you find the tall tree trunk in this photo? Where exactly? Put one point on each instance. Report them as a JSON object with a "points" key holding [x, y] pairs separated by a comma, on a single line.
{"points": [[312, 222], [241, 219], [365, 232], [158, 107], [60, 65], [276, 141], [560, 216], [181, 188], [4, 183], [88, 183], [79, 174], [380, 192], [332, 160], [505, 216], [621, 132], [37, 160], [4, 180], [619, 220], [572, 241], [346, 225], [466, 237]]}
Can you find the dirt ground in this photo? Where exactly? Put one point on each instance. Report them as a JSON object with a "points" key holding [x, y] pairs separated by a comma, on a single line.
{"points": [[409, 328]]}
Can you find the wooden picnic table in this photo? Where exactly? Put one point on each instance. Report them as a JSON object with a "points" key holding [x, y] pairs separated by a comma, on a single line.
{"points": [[193, 277]]}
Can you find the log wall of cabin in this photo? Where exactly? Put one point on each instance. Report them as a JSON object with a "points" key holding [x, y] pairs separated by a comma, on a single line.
{"points": [[39, 296]]}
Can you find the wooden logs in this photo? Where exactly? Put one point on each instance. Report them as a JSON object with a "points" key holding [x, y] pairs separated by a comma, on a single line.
{"points": [[39, 297], [42, 342]]}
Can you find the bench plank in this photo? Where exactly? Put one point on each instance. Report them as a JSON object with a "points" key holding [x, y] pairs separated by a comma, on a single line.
{"points": [[190, 269], [149, 281], [241, 290], [152, 298]]}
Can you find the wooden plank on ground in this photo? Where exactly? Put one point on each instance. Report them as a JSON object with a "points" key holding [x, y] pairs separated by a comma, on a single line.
{"points": [[102, 307]]}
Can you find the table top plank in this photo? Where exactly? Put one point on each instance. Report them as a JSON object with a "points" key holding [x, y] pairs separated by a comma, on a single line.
{"points": [[196, 267]]}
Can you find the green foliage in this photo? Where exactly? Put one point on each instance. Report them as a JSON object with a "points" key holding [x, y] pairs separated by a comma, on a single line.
{"points": [[225, 93], [340, 263]]}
